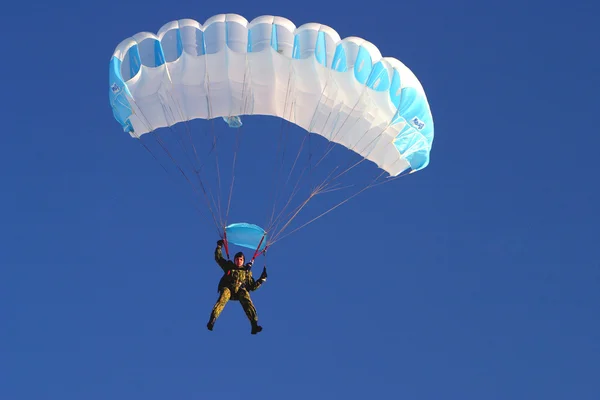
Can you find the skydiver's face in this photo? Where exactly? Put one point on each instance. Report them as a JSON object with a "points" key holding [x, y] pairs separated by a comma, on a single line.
{"points": [[239, 261]]}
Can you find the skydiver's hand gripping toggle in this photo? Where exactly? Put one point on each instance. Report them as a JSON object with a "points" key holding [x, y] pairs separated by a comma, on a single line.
{"points": [[263, 276]]}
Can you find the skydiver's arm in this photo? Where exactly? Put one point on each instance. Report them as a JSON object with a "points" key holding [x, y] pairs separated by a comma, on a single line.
{"points": [[255, 284], [220, 259], [252, 284]]}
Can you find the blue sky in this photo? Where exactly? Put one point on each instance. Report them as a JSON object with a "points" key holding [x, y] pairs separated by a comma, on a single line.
{"points": [[476, 278]]}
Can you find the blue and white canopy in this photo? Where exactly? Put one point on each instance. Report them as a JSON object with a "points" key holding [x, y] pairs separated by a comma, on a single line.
{"points": [[341, 89]]}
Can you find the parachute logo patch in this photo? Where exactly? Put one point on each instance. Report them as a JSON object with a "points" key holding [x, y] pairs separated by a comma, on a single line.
{"points": [[418, 123], [115, 88]]}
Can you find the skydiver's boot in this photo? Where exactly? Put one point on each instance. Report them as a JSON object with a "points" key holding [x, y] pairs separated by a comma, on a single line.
{"points": [[255, 328], [211, 323]]}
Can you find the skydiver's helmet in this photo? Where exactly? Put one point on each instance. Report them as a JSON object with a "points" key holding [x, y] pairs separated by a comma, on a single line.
{"points": [[239, 254]]}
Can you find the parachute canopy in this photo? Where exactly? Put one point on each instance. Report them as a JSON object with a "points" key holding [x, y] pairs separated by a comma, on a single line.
{"points": [[341, 89]]}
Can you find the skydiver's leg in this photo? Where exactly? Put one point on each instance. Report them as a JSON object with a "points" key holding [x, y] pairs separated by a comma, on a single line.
{"points": [[249, 309], [219, 305]]}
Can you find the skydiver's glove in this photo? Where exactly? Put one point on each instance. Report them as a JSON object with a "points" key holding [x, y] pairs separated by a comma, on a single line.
{"points": [[263, 276], [220, 242]]}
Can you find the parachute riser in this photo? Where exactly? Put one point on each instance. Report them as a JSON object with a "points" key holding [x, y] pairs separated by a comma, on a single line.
{"points": [[258, 251], [225, 243]]}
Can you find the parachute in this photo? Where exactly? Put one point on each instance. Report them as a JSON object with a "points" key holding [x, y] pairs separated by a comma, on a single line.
{"points": [[342, 90]]}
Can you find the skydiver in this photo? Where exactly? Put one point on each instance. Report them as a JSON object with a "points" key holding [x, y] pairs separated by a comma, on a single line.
{"points": [[236, 283]]}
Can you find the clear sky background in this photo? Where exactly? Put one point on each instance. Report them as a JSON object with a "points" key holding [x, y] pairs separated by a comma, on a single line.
{"points": [[476, 278]]}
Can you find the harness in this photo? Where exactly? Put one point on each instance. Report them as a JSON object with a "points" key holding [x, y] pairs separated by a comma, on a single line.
{"points": [[229, 281]]}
